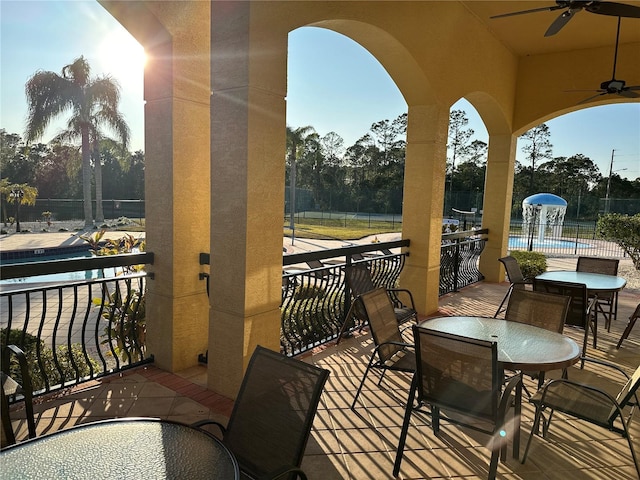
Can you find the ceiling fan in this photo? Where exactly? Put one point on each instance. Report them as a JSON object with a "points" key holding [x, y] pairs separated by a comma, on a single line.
{"points": [[572, 7], [613, 86]]}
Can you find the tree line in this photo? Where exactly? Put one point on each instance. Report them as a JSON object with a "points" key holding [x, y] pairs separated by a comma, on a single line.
{"points": [[54, 170], [368, 176], [321, 172]]}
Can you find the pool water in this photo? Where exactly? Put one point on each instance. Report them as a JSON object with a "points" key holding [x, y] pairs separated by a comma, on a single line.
{"points": [[57, 277], [523, 243]]}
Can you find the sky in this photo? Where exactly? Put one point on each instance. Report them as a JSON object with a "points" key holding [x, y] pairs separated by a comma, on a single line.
{"points": [[334, 84]]}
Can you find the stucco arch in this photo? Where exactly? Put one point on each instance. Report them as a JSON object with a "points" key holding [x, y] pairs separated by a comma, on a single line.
{"points": [[604, 100], [410, 79]]}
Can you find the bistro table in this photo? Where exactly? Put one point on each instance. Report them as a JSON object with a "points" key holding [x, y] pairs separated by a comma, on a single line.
{"points": [[131, 448], [595, 282], [520, 347]]}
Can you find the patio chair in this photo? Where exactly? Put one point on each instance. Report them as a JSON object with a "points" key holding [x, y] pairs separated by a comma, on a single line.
{"points": [[461, 378], [13, 388], [632, 321], [544, 310], [607, 304], [359, 279], [272, 415], [391, 351], [515, 277], [590, 404], [581, 308], [320, 270]]}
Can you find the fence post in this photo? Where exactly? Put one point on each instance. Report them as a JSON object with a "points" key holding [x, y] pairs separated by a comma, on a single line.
{"points": [[575, 250], [456, 265]]}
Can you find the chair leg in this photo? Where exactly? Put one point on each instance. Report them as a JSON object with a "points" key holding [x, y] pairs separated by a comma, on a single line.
{"points": [[435, 420], [382, 376], [31, 425], [405, 426], [493, 466], [534, 428], [633, 454], [345, 324], [364, 377], [6, 421], [627, 331], [504, 299]]}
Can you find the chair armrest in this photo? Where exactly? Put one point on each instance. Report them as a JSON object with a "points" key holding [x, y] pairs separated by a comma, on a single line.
{"points": [[592, 302], [284, 472], [16, 351], [552, 384], [403, 290], [202, 423], [509, 387], [606, 364], [404, 329], [401, 344]]}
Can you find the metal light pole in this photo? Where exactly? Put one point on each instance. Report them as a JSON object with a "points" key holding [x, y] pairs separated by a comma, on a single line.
{"points": [[17, 196], [606, 197]]}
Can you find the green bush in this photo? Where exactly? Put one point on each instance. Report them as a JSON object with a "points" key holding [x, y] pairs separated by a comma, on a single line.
{"points": [[531, 264], [47, 366], [304, 292], [624, 230]]}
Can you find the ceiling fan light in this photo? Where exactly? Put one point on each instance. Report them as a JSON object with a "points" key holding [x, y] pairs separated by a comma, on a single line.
{"points": [[612, 86]]}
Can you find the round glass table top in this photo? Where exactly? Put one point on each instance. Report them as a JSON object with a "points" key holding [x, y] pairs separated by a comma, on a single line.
{"points": [[122, 449], [520, 346]]}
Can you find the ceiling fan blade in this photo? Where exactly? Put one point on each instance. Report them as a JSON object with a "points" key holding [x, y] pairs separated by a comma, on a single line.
{"points": [[633, 87], [591, 98], [614, 9], [584, 90], [533, 10], [628, 93], [561, 21]]}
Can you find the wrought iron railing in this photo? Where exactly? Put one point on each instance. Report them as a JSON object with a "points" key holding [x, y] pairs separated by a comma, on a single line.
{"points": [[315, 300], [459, 255], [83, 329], [74, 331]]}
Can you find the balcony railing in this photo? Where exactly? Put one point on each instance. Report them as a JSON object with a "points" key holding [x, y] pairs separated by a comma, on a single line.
{"points": [[76, 330], [315, 300], [459, 255], [80, 329]]}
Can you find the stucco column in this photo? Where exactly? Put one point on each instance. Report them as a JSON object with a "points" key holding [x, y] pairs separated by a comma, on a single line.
{"points": [[496, 215], [248, 77], [424, 179], [177, 93]]}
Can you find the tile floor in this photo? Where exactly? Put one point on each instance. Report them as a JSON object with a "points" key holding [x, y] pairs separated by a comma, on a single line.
{"points": [[361, 445]]}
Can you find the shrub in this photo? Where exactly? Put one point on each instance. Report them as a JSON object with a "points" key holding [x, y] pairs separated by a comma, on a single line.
{"points": [[63, 372], [531, 264], [305, 292], [126, 328], [623, 230]]}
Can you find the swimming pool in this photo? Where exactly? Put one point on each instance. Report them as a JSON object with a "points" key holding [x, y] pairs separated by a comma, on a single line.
{"points": [[523, 243], [57, 277]]}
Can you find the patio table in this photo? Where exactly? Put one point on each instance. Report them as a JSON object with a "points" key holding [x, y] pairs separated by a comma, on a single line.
{"points": [[595, 282], [520, 347], [131, 448]]}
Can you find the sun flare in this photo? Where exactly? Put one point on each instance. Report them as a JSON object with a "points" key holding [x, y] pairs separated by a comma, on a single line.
{"points": [[123, 58]]}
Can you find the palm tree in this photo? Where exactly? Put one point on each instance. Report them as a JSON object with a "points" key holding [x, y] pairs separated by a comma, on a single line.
{"points": [[93, 102], [295, 139], [73, 132]]}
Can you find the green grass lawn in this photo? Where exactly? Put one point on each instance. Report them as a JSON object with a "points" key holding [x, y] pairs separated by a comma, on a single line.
{"points": [[335, 229]]}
